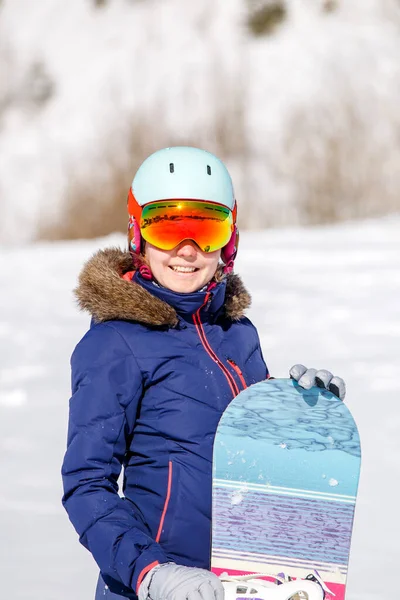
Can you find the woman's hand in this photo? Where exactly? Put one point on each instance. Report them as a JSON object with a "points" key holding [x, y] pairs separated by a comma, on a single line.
{"points": [[307, 378]]}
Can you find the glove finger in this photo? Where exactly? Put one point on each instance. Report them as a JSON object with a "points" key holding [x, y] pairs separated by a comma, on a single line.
{"points": [[204, 592], [297, 371], [198, 595], [219, 591], [307, 380], [323, 378], [217, 587], [338, 387]]}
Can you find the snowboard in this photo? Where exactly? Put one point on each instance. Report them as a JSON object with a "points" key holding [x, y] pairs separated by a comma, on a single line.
{"points": [[286, 466]]}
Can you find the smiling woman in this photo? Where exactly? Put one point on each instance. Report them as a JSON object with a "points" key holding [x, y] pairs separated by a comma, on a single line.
{"points": [[168, 349], [182, 218]]}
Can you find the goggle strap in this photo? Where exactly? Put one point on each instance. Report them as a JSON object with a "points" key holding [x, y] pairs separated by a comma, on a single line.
{"points": [[133, 206], [234, 212], [228, 268]]}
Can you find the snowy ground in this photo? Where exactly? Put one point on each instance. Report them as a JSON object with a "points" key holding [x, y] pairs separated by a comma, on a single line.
{"points": [[325, 297]]}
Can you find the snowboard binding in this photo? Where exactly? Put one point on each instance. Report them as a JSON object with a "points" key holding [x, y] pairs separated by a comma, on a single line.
{"points": [[251, 587]]}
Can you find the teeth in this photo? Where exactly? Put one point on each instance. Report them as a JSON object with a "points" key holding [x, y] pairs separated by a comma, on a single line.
{"points": [[184, 269]]}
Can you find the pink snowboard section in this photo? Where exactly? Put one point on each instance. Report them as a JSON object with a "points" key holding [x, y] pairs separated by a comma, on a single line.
{"points": [[337, 588]]}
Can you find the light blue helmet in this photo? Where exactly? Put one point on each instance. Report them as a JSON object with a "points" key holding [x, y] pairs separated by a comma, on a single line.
{"points": [[181, 173]]}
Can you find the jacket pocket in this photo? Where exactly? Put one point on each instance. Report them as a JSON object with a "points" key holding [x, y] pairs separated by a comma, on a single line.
{"points": [[168, 514], [160, 530]]}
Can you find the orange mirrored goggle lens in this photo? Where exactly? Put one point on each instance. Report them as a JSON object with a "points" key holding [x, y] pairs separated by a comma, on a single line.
{"points": [[165, 224]]}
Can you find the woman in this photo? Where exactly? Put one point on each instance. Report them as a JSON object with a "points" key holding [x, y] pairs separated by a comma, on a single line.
{"points": [[168, 349]]}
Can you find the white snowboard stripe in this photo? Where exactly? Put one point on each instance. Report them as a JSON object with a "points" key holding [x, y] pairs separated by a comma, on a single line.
{"points": [[250, 555], [270, 489], [331, 573]]}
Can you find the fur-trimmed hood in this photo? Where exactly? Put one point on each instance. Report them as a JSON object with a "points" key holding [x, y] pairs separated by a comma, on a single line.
{"points": [[104, 293]]}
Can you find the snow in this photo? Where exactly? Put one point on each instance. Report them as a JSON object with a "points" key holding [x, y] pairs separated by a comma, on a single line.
{"points": [[327, 297], [14, 397], [238, 496]]}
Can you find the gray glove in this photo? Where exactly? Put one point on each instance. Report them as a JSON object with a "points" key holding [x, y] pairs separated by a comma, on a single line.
{"points": [[307, 378], [175, 582]]}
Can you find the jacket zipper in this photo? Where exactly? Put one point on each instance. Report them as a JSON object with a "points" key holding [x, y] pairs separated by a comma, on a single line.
{"points": [[200, 330], [236, 368]]}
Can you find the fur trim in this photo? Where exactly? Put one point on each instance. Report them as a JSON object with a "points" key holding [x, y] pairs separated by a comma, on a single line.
{"points": [[103, 293], [237, 298]]}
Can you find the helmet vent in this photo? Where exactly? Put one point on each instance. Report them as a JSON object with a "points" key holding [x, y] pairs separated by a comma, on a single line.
{"points": [[209, 169], [171, 167]]}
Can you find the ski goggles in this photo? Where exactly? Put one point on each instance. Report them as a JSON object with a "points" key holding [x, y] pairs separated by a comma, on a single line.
{"points": [[165, 224]]}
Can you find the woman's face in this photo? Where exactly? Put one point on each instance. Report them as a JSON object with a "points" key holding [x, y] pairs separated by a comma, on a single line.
{"points": [[183, 269]]}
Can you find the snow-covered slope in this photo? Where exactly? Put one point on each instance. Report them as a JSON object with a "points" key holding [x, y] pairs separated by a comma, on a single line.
{"points": [[326, 297]]}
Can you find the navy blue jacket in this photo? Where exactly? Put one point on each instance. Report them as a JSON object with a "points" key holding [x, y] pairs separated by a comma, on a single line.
{"points": [[150, 381]]}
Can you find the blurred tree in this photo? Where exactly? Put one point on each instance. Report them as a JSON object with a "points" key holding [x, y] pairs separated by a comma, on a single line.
{"points": [[265, 16], [6, 66], [337, 167], [330, 6], [39, 86]]}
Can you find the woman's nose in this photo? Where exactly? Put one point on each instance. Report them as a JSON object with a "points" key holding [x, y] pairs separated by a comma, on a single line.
{"points": [[187, 248]]}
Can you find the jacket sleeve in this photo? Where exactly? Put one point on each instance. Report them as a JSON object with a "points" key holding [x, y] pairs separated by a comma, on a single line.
{"points": [[258, 350], [267, 373], [106, 388]]}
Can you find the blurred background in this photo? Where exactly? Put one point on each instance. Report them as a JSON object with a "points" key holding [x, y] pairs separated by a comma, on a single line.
{"points": [[301, 99]]}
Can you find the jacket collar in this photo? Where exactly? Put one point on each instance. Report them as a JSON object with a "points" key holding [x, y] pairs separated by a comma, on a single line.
{"points": [[187, 304], [103, 293]]}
